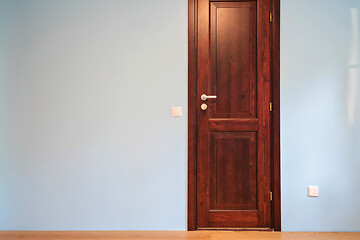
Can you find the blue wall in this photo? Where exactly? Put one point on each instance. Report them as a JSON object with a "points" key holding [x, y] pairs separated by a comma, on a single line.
{"points": [[87, 141], [320, 114], [86, 88]]}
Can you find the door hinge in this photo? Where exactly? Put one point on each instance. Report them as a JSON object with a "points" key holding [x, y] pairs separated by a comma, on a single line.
{"points": [[271, 18], [271, 196], [271, 107]]}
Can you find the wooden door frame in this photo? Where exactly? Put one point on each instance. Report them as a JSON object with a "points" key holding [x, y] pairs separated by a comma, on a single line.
{"points": [[275, 116]]}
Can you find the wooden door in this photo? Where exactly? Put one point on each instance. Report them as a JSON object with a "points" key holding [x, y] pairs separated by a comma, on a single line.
{"points": [[233, 132]]}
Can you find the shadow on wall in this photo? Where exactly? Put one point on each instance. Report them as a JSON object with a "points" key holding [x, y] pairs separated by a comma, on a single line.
{"points": [[353, 102]]}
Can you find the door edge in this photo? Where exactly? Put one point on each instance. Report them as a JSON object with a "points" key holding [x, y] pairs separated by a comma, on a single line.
{"points": [[275, 118], [192, 21]]}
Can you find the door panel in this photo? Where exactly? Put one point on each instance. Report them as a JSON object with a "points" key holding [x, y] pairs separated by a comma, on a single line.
{"points": [[233, 58], [233, 140], [233, 170]]}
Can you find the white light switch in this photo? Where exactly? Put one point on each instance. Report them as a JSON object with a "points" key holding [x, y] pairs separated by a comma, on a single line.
{"points": [[313, 191], [176, 112]]}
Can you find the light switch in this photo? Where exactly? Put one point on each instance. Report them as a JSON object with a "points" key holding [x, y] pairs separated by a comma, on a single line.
{"points": [[176, 112], [313, 191]]}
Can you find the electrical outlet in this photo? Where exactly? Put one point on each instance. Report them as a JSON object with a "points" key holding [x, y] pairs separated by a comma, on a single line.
{"points": [[176, 112], [313, 191]]}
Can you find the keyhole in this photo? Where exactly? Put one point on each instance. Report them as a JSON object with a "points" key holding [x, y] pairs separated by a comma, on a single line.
{"points": [[203, 106]]}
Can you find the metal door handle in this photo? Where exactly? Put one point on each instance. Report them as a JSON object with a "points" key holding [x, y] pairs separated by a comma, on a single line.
{"points": [[204, 97]]}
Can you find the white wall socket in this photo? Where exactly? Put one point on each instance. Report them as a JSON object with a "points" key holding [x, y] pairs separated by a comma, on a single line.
{"points": [[313, 191], [176, 111]]}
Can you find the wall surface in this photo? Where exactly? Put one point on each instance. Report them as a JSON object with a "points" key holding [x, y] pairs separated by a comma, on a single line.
{"points": [[87, 141], [320, 114]]}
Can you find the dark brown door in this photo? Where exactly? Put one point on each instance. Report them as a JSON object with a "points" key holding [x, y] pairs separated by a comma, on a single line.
{"points": [[233, 132]]}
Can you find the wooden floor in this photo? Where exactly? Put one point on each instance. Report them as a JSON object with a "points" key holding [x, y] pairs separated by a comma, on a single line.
{"points": [[201, 235]]}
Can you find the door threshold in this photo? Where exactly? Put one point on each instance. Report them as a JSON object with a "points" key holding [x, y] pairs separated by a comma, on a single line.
{"points": [[232, 229]]}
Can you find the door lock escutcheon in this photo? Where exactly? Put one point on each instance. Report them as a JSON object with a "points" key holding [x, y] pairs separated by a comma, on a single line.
{"points": [[203, 106]]}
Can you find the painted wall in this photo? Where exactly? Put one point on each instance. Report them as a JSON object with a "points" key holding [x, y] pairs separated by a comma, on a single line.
{"points": [[320, 114], [87, 141]]}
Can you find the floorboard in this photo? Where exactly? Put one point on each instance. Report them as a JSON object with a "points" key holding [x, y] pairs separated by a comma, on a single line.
{"points": [[178, 235]]}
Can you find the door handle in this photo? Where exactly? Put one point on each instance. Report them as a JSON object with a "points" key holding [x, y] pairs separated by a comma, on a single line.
{"points": [[204, 97]]}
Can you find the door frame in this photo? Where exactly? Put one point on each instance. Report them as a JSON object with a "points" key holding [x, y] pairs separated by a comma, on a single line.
{"points": [[275, 116]]}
